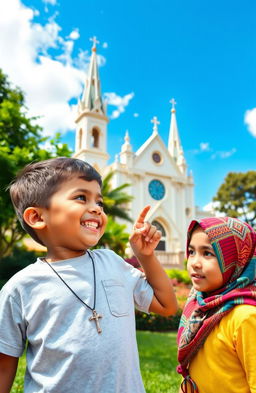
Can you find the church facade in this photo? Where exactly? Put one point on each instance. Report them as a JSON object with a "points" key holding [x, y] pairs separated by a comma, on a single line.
{"points": [[157, 173]]}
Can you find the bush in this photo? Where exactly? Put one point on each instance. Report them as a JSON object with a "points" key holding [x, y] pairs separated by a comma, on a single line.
{"points": [[179, 275], [11, 264], [157, 323]]}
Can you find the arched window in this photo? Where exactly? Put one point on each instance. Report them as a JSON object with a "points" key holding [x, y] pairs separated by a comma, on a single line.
{"points": [[95, 137], [80, 139], [162, 244]]}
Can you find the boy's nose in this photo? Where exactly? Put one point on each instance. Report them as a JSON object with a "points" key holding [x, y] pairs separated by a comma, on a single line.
{"points": [[94, 208]]}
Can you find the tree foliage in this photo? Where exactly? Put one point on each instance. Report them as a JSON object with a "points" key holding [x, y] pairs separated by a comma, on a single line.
{"points": [[115, 238], [236, 197], [21, 142], [115, 199], [115, 206]]}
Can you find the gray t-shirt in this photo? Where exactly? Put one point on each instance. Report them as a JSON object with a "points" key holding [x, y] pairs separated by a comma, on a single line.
{"points": [[65, 353]]}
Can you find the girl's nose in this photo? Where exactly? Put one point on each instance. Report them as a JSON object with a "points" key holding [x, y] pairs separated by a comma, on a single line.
{"points": [[196, 261]]}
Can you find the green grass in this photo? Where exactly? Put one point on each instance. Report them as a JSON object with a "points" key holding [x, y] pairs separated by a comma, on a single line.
{"points": [[17, 386], [157, 361]]}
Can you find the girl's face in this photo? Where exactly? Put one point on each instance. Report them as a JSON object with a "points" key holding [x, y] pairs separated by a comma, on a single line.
{"points": [[203, 266]]}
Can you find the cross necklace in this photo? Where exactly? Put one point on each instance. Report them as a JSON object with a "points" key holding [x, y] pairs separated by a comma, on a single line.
{"points": [[95, 316]]}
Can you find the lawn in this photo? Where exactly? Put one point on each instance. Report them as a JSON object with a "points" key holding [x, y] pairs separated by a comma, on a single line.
{"points": [[157, 360]]}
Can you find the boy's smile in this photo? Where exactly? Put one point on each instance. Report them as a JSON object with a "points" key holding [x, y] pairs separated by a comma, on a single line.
{"points": [[203, 266], [75, 220]]}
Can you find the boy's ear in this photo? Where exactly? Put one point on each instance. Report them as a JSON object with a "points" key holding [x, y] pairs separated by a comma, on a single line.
{"points": [[33, 217]]}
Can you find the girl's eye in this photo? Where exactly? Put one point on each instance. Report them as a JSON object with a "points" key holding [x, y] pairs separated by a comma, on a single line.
{"points": [[191, 252], [81, 198], [209, 254]]}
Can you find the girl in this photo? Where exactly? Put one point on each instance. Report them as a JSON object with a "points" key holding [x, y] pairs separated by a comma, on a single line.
{"points": [[217, 332]]}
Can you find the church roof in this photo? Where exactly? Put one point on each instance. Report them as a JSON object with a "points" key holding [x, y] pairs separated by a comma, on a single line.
{"points": [[155, 143]]}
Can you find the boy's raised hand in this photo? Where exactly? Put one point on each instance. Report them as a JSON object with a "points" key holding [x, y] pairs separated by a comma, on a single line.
{"points": [[145, 237]]}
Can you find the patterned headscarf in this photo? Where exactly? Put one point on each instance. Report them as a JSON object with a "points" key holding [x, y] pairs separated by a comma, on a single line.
{"points": [[234, 244]]}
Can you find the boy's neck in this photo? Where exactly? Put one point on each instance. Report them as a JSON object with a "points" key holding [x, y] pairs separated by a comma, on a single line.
{"points": [[62, 256]]}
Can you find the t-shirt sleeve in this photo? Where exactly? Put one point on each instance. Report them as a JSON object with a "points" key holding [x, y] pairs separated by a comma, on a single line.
{"points": [[245, 344], [12, 326], [142, 291], [143, 294]]}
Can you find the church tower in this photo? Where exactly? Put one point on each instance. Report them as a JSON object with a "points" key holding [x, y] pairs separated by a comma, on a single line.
{"points": [[91, 120], [174, 144]]}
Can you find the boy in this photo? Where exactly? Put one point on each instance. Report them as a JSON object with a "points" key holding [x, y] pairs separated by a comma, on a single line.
{"points": [[75, 307]]}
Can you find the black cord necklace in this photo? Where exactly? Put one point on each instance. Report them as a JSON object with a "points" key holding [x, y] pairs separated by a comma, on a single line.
{"points": [[95, 316]]}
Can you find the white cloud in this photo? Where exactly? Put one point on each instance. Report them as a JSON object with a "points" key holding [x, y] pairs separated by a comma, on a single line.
{"points": [[204, 146], [49, 81], [74, 35], [250, 120], [119, 102], [38, 59], [136, 114], [209, 207], [52, 2], [105, 45], [213, 208], [224, 154]]}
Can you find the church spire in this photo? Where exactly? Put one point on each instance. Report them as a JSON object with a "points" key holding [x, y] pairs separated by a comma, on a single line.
{"points": [[126, 155], [174, 145], [91, 120], [91, 98]]}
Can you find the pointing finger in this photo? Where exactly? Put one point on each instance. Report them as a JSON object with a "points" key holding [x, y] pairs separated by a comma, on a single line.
{"points": [[142, 215]]}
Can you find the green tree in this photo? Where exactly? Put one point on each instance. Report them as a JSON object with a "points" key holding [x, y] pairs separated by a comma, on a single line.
{"points": [[115, 238], [20, 143], [115, 206], [236, 197], [115, 199]]}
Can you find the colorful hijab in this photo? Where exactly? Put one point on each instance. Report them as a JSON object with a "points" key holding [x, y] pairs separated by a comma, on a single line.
{"points": [[234, 244]]}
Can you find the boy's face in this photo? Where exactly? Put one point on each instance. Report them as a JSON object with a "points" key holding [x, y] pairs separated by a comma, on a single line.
{"points": [[203, 266], [75, 220]]}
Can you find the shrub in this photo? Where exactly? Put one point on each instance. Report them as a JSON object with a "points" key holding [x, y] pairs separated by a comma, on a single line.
{"points": [[179, 275], [11, 264], [182, 292], [157, 323]]}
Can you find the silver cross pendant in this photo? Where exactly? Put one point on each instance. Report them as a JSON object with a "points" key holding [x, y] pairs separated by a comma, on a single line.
{"points": [[95, 317]]}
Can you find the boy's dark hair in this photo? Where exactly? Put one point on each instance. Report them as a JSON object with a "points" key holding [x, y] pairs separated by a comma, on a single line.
{"points": [[37, 182]]}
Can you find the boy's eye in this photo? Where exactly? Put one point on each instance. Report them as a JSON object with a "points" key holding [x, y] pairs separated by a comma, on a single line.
{"points": [[81, 197], [100, 203]]}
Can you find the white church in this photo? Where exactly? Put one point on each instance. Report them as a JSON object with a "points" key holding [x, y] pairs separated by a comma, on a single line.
{"points": [[157, 174]]}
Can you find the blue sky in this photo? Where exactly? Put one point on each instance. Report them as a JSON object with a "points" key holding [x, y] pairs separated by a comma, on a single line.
{"points": [[201, 53]]}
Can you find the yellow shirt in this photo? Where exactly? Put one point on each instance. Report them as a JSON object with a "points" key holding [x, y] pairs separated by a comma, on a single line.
{"points": [[227, 361]]}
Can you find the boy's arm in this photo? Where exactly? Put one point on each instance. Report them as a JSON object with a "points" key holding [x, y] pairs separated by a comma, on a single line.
{"points": [[8, 368], [144, 240]]}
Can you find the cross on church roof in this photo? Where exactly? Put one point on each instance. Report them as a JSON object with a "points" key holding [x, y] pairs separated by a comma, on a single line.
{"points": [[155, 122], [173, 102], [95, 42]]}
